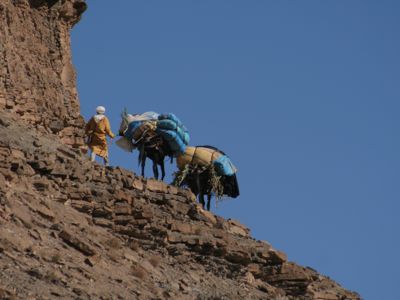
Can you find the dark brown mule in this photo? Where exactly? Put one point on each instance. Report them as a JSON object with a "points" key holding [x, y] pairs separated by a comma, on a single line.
{"points": [[153, 146], [199, 181], [150, 145]]}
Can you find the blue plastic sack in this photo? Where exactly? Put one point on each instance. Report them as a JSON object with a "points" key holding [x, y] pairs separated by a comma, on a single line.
{"points": [[175, 143], [167, 124], [184, 135], [171, 117], [224, 166], [185, 138], [132, 128], [171, 122]]}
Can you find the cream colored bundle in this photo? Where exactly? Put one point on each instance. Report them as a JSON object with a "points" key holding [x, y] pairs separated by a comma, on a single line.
{"points": [[125, 144], [197, 156], [145, 127]]}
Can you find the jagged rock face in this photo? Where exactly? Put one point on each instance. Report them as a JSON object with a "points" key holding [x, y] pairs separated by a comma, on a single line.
{"points": [[37, 79], [73, 229]]}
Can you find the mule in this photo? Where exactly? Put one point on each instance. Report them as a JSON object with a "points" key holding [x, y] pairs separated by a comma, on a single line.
{"points": [[150, 145], [199, 181], [155, 148]]}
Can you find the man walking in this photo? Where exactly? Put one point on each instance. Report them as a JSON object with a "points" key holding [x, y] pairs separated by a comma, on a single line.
{"points": [[97, 129]]}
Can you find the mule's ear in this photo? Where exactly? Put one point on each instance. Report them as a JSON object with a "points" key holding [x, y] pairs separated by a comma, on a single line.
{"points": [[124, 113]]}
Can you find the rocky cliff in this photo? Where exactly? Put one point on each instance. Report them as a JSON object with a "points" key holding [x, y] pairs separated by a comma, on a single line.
{"points": [[37, 79], [71, 229]]}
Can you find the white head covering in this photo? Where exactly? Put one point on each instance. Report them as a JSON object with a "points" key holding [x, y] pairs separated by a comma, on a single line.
{"points": [[100, 109]]}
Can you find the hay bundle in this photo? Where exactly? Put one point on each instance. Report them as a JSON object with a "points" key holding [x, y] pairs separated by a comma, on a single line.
{"points": [[189, 174]]}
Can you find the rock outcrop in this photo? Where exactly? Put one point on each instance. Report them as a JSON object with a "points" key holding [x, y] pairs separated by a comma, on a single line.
{"points": [[37, 79], [71, 229]]}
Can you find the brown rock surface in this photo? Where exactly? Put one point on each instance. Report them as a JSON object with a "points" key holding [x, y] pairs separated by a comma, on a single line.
{"points": [[37, 79], [73, 234], [71, 229]]}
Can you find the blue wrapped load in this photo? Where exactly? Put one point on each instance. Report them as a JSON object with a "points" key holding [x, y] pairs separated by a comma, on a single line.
{"points": [[171, 122], [224, 166], [172, 129], [167, 124], [184, 136], [171, 117], [131, 129], [174, 141], [171, 125]]}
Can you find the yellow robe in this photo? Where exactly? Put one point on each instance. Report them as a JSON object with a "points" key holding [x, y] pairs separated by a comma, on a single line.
{"points": [[97, 133]]}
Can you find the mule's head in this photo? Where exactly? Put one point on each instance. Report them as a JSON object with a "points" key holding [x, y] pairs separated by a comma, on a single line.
{"points": [[126, 120], [124, 123]]}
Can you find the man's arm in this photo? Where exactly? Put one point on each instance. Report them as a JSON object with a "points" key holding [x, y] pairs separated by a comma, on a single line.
{"points": [[108, 129]]}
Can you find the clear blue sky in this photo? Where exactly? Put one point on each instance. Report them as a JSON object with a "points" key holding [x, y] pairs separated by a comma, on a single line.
{"points": [[304, 96]]}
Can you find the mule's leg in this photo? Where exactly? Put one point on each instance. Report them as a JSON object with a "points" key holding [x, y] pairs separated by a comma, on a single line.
{"points": [[155, 158], [208, 201], [162, 169], [201, 194], [155, 169]]}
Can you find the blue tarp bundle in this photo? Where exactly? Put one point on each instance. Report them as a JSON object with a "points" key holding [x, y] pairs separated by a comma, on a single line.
{"points": [[131, 129], [173, 131], [172, 126], [174, 141], [224, 166], [168, 126], [172, 117]]}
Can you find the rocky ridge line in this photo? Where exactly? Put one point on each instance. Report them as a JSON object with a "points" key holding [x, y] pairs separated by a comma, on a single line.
{"points": [[121, 235]]}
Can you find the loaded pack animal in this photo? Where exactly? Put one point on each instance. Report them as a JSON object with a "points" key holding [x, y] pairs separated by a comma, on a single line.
{"points": [[149, 143], [206, 170]]}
